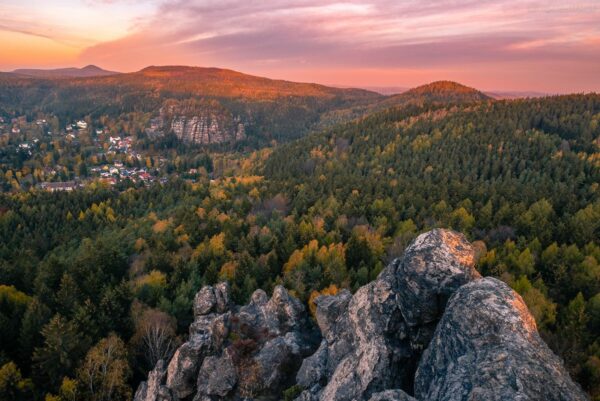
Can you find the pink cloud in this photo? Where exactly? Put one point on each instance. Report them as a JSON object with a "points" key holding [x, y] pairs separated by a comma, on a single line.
{"points": [[298, 39]]}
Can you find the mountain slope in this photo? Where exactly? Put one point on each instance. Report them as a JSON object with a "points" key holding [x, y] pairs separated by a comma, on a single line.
{"points": [[438, 92], [229, 106], [87, 71], [435, 93], [267, 109]]}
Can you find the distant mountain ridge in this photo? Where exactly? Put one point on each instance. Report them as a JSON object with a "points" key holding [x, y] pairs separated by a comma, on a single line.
{"points": [[87, 71], [501, 95], [228, 105]]}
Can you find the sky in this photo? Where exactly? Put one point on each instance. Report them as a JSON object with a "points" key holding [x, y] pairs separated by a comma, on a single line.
{"points": [[547, 46]]}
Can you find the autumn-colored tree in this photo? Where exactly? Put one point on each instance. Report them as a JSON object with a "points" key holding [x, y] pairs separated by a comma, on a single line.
{"points": [[13, 386], [104, 373], [155, 335]]}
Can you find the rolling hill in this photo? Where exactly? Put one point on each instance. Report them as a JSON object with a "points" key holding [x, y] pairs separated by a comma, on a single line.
{"points": [[209, 105], [87, 71], [268, 109], [435, 93]]}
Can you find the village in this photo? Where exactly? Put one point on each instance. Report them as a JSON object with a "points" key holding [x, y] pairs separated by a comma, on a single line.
{"points": [[42, 154]]}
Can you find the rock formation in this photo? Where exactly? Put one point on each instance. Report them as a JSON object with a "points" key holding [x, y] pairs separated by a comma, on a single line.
{"points": [[486, 347], [429, 326], [202, 122], [373, 340]]}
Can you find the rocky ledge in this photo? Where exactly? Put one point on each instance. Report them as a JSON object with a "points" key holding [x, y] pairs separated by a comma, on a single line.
{"points": [[428, 328]]}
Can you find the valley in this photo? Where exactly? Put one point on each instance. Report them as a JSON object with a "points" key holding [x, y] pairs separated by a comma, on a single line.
{"points": [[123, 196]]}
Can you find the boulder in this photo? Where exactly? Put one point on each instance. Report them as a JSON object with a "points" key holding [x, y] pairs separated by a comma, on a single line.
{"points": [[487, 347], [217, 376], [373, 339], [433, 266], [212, 299], [183, 369]]}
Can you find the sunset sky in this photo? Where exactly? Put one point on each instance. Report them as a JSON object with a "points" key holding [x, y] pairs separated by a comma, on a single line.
{"points": [[548, 46]]}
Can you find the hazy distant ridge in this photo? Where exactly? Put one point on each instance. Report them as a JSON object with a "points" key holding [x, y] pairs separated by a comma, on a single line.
{"points": [[88, 71]]}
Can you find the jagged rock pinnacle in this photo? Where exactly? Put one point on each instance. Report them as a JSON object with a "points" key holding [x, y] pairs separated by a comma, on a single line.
{"points": [[429, 326]]}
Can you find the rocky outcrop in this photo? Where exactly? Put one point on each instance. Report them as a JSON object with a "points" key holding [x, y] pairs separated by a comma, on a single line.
{"points": [[486, 347], [153, 389], [373, 340], [202, 122], [235, 352], [428, 327]]}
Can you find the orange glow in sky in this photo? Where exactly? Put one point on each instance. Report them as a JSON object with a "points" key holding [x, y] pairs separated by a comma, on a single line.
{"points": [[551, 46]]}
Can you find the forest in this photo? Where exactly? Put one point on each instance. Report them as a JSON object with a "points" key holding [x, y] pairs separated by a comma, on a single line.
{"points": [[97, 284]]}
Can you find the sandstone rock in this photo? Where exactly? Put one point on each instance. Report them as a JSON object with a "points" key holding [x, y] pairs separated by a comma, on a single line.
{"points": [[391, 395], [198, 121], [314, 368], [380, 352], [212, 299], [486, 347], [153, 389], [183, 369], [217, 376], [233, 351], [434, 265], [205, 301], [222, 297], [480, 341], [373, 339]]}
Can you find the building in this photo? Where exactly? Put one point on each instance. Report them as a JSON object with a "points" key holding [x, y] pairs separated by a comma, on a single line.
{"points": [[59, 186], [81, 124]]}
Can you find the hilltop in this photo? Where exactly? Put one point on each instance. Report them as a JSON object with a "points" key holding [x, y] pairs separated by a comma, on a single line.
{"points": [[438, 92], [228, 83], [200, 105], [87, 71], [435, 93], [444, 91]]}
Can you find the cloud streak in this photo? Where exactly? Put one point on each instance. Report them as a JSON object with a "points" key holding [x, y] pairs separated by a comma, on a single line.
{"points": [[376, 42]]}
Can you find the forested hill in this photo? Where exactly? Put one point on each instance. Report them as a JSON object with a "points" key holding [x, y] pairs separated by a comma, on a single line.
{"points": [[435, 93], [267, 109], [100, 268], [270, 109], [438, 92], [520, 176]]}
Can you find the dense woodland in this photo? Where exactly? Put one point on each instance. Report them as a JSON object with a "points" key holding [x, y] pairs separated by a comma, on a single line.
{"points": [[271, 109], [97, 284]]}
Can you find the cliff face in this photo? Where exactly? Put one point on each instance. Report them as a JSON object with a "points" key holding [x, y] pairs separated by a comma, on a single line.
{"points": [[429, 326], [202, 122]]}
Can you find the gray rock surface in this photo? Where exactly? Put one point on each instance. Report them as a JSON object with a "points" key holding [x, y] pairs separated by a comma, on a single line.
{"points": [[183, 369], [486, 347], [235, 352], [391, 395], [429, 325], [217, 376], [153, 389], [372, 340]]}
